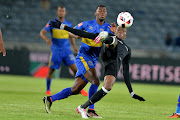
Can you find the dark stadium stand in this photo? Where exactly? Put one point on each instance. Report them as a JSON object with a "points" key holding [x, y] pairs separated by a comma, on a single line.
{"points": [[152, 19]]}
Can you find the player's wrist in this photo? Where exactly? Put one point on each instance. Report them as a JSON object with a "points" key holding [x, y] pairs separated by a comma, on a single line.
{"points": [[132, 94], [62, 26], [114, 39]]}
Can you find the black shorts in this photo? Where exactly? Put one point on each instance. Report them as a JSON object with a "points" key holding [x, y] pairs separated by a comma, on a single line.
{"points": [[110, 61]]}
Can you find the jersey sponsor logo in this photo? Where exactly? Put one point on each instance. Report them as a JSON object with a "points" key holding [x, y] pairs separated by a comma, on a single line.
{"points": [[90, 63], [80, 24], [90, 27], [101, 29]]}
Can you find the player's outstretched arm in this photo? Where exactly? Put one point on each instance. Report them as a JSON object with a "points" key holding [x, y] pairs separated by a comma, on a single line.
{"points": [[2, 49], [128, 81], [111, 41], [81, 33]]}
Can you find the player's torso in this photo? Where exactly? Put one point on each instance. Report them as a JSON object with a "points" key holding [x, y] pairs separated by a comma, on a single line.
{"points": [[88, 46], [123, 50], [119, 52], [60, 39]]}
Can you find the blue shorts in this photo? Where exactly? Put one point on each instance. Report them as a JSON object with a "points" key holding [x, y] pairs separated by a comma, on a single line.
{"points": [[84, 63], [56, 57]]}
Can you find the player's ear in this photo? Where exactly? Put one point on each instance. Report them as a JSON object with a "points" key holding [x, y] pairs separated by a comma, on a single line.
{"points": [[95, 14]]}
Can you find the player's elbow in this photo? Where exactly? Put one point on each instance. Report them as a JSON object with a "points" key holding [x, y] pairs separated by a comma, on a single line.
{"points": [[42, 33]]}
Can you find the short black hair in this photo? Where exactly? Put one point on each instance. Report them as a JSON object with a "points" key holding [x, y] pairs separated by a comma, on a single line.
{"points": [[100, 6]]}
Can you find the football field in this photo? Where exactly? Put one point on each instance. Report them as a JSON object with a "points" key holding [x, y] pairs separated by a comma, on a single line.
{"points": [[21, 99]]}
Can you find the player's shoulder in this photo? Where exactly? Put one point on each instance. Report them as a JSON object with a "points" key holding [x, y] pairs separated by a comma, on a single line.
{"points": [[106, 24], [89, 21], [68, 22], [53, 19]]}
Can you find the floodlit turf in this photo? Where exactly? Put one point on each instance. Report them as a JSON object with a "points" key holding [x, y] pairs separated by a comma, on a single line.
{"points": [[21, 99]]}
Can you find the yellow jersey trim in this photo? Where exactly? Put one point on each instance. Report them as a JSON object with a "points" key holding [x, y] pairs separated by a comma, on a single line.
{"points": [[84, 63], [91, 42], [60, 34]]}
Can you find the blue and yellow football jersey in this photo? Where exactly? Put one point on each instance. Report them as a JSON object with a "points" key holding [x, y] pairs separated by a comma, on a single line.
{"points": [[88, 46], [89, 50], [60, 38], [60, 49]]}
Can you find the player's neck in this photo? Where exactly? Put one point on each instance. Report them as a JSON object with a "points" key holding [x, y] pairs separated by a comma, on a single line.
{"points": [[100, 22], [61, 19]]}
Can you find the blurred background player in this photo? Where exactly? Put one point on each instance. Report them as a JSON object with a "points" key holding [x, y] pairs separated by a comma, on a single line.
{"points": [[86, 60], [60, 48], [177, 113], [2, 49]]}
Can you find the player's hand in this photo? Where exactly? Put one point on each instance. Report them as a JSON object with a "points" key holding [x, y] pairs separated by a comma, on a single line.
{"points": [[3, 50], [57, 24], [49, 42], [138, 97], [102, 35], [113, 27]]}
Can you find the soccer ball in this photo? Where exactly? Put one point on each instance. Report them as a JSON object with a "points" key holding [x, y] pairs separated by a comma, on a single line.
{"points": [[125, 20]]}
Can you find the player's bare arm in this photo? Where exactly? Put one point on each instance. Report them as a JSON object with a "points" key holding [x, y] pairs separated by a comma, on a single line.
{"points": [[43, 36], [73, 35], [72, 41], [2, 49]]}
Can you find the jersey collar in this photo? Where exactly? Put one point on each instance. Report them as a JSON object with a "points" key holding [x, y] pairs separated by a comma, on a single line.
{"points": [[61, 21]]}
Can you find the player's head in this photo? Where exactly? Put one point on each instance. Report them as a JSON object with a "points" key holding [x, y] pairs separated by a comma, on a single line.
{"points": [[61, 12], [100, 12], [121, 32]]}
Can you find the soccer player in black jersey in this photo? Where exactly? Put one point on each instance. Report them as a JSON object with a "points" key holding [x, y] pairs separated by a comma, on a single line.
{"points": [[114, 52]]}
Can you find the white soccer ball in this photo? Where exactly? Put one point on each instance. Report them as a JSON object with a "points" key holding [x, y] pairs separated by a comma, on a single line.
{"points": [[125, 20]]}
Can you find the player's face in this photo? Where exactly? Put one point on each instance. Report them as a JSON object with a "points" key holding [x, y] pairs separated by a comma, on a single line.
{"points": [[61, 12], [121, 33], [101, 13]]}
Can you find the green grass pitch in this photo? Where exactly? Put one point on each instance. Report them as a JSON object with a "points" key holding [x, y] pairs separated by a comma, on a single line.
{"points": [[21, 99]]}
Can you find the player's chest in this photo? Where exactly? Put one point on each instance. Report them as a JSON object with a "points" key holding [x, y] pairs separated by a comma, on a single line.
{"points": [[123, 48], [96, 29]]}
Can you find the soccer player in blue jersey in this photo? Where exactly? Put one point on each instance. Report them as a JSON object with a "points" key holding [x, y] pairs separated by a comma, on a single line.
{"points": [[2, 49], [60, 48], [177, 113], [86, 60]]}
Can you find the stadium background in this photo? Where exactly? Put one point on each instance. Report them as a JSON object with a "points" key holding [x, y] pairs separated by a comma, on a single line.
{"points": [[28, 54], [22, 71]]}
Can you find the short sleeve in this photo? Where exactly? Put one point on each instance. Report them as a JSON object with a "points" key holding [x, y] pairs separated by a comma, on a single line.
{"points": [[47, 27], [80, 26], [70, 25]]}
